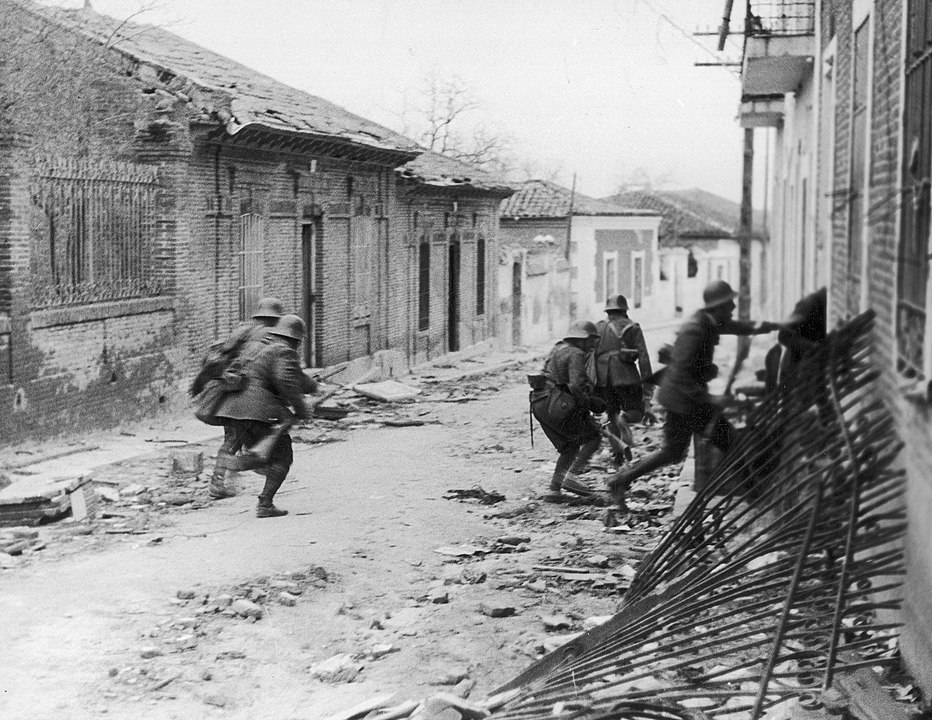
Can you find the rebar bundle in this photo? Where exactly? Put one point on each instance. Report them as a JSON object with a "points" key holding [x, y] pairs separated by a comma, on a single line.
{"points": [[783, 572]]}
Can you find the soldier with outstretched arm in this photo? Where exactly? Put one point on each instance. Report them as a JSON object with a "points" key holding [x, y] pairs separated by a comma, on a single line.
{"points": [[684, 390]]}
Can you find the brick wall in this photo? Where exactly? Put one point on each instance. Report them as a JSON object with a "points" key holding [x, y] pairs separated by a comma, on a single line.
{"points": [[68, 367], [884, 183], [128, 358], [912, 415], [428, 214], [839, 260]]}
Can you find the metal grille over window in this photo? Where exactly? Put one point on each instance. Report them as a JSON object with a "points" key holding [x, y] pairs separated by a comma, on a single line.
{"points": [[364, 242], [251, 234], [93, 232], [913, 267], [784, 18], [781, 579]]}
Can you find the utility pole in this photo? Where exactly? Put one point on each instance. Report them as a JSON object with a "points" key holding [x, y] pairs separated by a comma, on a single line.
{"points": [[569, 219], [744, 239]]}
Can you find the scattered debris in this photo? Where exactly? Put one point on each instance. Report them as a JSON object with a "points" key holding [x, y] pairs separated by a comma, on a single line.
{"points": [[460, 550], [557, 622], [476, 492], [387, 391], [497, 609], [451, 677], [340, 668], [31, 500]]}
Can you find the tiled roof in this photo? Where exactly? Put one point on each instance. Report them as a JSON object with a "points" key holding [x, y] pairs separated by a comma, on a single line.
{"points": [[677, 219], [441, 171], [543, 199], [687, 214], [238, 95]]}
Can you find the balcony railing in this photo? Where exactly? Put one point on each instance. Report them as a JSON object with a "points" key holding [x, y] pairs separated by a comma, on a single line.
{"points": [[780, 18]]}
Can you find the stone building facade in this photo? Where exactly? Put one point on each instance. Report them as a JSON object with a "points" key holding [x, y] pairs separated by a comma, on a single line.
{"points": [[578, 250]]}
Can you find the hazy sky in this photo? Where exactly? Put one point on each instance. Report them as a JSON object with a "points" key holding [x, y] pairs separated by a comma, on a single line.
{"points": [[593, 87]]}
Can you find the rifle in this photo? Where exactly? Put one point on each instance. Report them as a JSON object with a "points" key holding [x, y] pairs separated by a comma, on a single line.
{"points": [[260, 453]]}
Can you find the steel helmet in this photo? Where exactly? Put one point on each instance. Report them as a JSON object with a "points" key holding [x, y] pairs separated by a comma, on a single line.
{"points": [[581, 329], [289, 326], [269, 307], [616, 302], [717, 292]]}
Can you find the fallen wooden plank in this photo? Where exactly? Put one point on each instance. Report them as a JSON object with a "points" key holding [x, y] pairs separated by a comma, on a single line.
{"points": [[561, 569], [364, 707]]}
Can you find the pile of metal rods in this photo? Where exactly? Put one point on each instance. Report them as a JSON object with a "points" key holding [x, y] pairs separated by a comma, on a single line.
{"points": [[784, 571]]}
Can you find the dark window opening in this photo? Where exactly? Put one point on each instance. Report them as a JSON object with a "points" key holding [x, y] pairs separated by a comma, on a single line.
{"points": [[480, 276], [423, 287]]}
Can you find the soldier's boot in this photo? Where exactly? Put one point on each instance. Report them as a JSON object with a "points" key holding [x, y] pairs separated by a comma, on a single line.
{"points": [[622, 438], [265, 508], [217, 488], [618, 487], [559, 472], [573, 482]]}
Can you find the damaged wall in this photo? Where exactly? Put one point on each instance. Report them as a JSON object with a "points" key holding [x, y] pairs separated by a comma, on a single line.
{"points": [[460, 234], [68, 101], [534, 263]]}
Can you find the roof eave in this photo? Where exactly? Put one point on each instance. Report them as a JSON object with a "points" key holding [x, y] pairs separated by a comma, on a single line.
{"points": [[323, 143]]}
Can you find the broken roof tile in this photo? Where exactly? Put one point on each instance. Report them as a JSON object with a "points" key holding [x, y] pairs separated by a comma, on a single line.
{"points": [[251, 97]]}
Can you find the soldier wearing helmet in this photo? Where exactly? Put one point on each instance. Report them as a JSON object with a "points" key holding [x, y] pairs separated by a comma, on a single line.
{"points": [[220, 358], [623, 373], [684, 390], [575, 434], [272, 397]]}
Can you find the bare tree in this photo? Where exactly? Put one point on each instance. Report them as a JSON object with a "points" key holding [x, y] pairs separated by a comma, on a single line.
{"points": [[640, 178], [445, 117], [534, 169]]}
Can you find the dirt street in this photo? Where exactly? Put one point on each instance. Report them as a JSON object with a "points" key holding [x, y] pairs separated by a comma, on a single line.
{"points": [[150, 611]]}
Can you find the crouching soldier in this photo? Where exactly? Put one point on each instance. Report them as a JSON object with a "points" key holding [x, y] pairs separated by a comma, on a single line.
{"points": [[261, 414], [562, 405]]}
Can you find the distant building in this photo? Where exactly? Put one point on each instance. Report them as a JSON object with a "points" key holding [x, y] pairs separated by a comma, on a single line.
{"points": [[451, 238], [568, 253], [698, 243]]}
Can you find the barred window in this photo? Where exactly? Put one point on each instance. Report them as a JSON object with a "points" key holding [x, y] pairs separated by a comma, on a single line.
{"points": [[480, 275], [92, 232], [912, 255], [364, 244], [423, 286], [251, 240], [637, 280]]}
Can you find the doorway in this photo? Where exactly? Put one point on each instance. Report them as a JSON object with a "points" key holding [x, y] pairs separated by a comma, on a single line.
{"points": [[516, 273], [309, 293], [453, 298]]}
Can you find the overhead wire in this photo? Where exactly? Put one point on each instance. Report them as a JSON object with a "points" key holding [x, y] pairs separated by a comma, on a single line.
{"points": [[661, 14]]}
